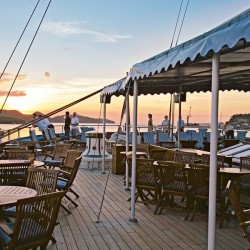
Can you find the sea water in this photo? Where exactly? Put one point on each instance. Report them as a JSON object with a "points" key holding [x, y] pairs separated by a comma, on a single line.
{"points": [[59, 128]]}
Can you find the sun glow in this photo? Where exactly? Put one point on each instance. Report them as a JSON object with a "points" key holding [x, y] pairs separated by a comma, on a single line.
{"points": [[33, 101]]}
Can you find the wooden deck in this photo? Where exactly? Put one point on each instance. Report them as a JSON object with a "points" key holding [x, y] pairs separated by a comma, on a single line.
{"points": [[114, 231]]}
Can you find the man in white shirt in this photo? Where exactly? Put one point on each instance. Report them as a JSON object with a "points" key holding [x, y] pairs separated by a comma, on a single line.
{"points": [[74, 126], [47, 123], [165, 124], [41, 126]]}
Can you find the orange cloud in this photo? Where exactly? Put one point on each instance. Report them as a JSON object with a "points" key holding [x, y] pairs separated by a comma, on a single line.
{"points": [[13, 93], [2, 80], [9, 77], [47, 74], [21, 77]]}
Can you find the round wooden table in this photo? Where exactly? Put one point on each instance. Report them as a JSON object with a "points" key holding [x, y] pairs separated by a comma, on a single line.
{"points": [[10, 162], [10, 194]]}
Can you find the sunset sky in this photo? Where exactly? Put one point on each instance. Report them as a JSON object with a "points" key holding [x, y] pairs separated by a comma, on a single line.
{"points": [[84, 45]]}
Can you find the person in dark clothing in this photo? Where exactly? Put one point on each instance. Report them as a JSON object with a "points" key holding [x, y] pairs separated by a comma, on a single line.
{"points": [[67, 125], [228, 130]]}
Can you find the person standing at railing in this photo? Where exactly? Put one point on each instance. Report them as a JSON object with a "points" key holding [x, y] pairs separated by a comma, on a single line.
{"points": [[67, 123], [180, 125], [150, 123], [41, 126], [47, 123], [228, 130], [165, 124], [74, 126]]}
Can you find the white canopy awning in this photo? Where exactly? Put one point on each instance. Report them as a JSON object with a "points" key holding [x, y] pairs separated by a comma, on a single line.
{"points": [[189, 64], [216, 60], [114, 88]]}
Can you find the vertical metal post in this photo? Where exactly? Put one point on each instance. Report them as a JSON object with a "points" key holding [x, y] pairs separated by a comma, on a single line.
{"points": [[134, 137], [179, 125], [169, 117], [213, 152], [172, 130], [104, 136], [127, 140]]}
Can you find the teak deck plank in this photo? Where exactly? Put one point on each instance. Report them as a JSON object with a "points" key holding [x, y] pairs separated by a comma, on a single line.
{"points": [[114, 231]]}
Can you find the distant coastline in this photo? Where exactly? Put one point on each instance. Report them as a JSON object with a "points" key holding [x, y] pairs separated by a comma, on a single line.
{"points": [[16, 117]]}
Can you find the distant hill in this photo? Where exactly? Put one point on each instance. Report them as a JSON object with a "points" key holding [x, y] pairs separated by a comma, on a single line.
{"points": [[10, 120], [82, 119], [240, 121], [16, 117]]}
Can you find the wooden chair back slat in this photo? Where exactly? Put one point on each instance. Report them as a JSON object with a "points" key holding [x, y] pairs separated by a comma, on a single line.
{"points": [[245, 179], [21, 154], [145, 173], [60, 151], [239, 212], [73, 173], [35, 221], [42, 180], [72, 155], [198, 178], [173, 177], [14, 175], [185, 157], [170, 155]]}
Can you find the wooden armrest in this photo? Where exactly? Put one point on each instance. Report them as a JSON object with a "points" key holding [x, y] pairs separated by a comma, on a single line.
{"points": [[62, 179], [246, 223], [5, 228], [65, 173], [246, 211], [47, 155]]}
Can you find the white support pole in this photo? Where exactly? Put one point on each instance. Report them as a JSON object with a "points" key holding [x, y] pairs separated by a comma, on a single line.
{"points": [[132, 211], [104, 136], [213, 152], [179, 121], [127, 140], [172, 130]]}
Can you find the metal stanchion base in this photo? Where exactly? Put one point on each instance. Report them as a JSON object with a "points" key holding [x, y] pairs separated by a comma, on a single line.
{"points": [[127, 189], [103, 172], [132, 220]]}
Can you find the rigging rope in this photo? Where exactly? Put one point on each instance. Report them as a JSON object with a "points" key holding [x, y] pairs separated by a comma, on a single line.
{"points": [[27, 124], [176, 24], [182, 22], [25, 56], [19, 40], [103, 196]]}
